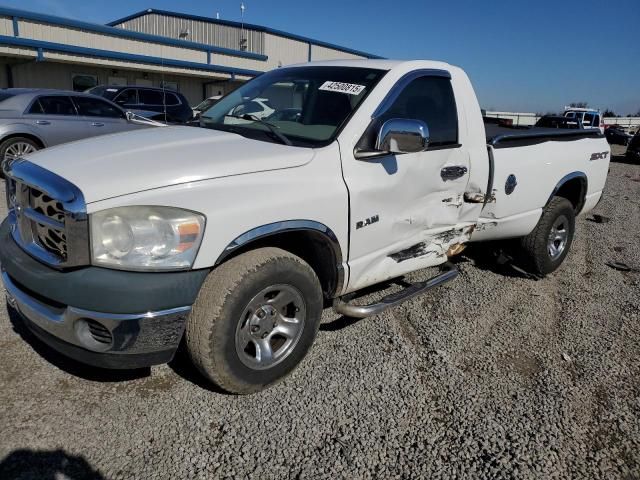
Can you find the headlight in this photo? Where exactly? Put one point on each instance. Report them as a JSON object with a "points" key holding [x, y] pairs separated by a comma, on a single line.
{"points": [[145, 238]]}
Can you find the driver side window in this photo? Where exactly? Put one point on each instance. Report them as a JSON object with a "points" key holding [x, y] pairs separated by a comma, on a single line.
{"points": [[431, 100]]}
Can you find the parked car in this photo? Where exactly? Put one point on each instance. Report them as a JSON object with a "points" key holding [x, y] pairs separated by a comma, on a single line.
{"points": [[205, 105], [557, 121], [32, 119], [154, 103], [256, 107], [286, 115], [237, 246], [589, 117], [616, 135], [633, 149]]}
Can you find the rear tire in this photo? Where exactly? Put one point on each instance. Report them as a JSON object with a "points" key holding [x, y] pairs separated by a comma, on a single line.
{"points": [[254, 320], [546, 247]]}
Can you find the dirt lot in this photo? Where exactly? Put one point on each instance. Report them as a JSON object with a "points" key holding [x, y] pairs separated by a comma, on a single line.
{"points": [[495, 376]]}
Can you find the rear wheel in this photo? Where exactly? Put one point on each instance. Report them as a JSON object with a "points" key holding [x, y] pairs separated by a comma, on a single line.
{"points": [[254, 320], [546, 247]]}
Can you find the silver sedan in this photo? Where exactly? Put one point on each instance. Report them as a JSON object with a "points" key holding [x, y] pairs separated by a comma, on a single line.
{"points": [[31, 119]]}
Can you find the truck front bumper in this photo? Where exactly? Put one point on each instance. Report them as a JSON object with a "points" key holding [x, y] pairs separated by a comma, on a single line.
{"points": [[105, 318]]}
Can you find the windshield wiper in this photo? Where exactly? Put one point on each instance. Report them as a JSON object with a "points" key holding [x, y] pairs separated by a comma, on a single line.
{"points": [[272, 128]]}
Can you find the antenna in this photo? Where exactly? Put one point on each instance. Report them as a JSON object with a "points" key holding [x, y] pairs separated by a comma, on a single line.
{"points": [[162, 83], [243, 40]]}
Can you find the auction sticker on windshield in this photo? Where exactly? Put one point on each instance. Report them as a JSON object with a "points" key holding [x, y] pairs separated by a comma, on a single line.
{"points": [[349, 88]]}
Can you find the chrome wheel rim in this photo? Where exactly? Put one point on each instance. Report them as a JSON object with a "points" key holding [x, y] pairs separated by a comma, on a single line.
{"points": [[17, 150], [558, 237], [270, 326]]}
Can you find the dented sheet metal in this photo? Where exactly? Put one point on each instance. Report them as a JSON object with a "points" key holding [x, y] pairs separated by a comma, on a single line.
{"points": [[419, 250], [436, 245], [482, 226]]}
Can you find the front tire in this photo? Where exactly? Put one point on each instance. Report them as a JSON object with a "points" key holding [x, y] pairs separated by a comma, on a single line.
{"points": [[16, 147], [254, 320], [546, 247]]}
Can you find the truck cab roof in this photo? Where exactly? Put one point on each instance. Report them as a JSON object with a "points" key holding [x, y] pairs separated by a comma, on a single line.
{"points": [[380, 64]]}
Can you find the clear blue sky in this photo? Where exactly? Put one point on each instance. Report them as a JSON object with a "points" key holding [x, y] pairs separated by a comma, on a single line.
{"points": [[521, 55]]}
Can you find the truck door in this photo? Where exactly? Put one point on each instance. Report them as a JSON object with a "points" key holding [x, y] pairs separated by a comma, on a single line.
{"points": [[408, 210]]}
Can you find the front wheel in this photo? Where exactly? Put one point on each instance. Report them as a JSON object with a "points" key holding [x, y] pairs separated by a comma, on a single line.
{"points": [[254, 320], [16, 147], [546, 247]]}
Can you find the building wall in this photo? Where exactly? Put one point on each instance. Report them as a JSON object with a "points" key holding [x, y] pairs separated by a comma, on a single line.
{"points": [[631, 123], [4, 80], [6, 26], [319, 53], [518, 118], [45, 52], [112, 46], [283, 51], [199, 32], [82, 38], [60, 76]]}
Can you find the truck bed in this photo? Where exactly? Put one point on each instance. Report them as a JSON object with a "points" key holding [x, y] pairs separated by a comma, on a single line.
{"points": [[504, 137], [523, 180]]}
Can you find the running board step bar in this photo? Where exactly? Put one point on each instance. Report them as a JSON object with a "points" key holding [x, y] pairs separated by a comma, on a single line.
{"points": [[343, 307]]}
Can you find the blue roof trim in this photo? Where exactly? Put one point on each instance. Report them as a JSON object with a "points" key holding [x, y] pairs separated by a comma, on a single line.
{"points": [[41, 46], [249, 26], [122, 33]]}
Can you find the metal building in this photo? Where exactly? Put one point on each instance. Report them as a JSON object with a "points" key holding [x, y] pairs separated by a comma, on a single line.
{"points": [[198, 56]]}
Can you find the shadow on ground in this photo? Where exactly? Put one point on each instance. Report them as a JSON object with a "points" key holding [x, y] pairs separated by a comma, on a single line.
{"points": [[500, 257], [46, 465], [185, 369], [67, 364], [375, 292]]}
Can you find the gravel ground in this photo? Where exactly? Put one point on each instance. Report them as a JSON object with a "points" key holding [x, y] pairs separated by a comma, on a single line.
{"points": [[494, 376]]}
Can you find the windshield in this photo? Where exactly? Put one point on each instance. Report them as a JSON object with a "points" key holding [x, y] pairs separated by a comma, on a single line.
{"points": [[307, 105]]}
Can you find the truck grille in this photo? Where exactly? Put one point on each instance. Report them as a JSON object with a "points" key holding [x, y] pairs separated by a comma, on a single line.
{"points": [[51, 239], [48, 215]]}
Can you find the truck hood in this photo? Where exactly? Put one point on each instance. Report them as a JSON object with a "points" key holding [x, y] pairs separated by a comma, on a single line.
{"points": [[120, 164]]}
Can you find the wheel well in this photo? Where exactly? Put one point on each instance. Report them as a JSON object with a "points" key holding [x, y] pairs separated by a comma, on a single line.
{"points": [[25, 135], [310, 245], [574, 190]]}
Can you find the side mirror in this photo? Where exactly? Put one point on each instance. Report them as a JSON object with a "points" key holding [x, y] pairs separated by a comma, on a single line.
{"points": [[129, 116], [399, 135]]}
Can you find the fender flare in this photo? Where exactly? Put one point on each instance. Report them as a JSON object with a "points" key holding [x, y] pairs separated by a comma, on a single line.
{"points": [[584, 182], [286, 226]]}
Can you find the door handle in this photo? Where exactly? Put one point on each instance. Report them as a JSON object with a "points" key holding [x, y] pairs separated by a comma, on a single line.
{"points": [[452, 173], [42, 122], [97, 124]]}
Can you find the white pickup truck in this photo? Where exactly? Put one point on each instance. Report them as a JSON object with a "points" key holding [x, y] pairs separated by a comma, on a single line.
{"points": [[235, 236]]}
